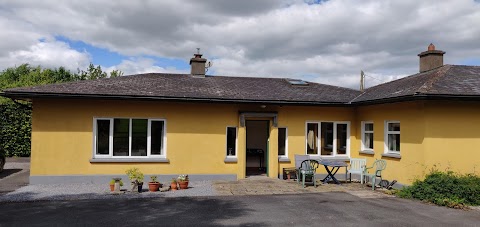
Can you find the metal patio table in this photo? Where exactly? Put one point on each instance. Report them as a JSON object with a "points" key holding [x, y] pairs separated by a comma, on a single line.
{"points": [[332, 167]]}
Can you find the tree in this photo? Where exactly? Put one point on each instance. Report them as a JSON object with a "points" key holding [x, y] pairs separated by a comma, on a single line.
{"points": [[15, 117]]}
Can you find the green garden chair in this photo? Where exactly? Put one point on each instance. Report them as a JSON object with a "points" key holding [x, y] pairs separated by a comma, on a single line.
{"points": [[378, 166], [308, 168], [298, 162]]}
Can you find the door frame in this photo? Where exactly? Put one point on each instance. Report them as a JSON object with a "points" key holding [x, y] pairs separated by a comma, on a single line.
{"points": [[267, 152]]}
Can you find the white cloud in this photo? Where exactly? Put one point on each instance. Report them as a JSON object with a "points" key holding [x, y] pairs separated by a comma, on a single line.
{"points": [[328, 42], [142, 65], [47, 54]]}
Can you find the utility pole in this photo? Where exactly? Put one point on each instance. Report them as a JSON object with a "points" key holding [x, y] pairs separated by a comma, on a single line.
{"points": [[362, 80]]}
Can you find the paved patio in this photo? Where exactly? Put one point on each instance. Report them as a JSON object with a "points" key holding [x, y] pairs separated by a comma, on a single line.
{"points": [[269, 186]]}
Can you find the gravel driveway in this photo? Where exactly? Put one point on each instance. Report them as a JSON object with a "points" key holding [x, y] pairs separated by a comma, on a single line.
{"points": [[95, 191]]}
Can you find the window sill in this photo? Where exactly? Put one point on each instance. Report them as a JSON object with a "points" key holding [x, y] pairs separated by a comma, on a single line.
{"points": [[231, 160], [366, 152], [283, 159], [129, 160], [392, 155]]}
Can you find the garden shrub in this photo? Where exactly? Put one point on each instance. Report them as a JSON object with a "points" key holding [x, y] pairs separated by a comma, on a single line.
{"points": [[445, 189], [15, 128]]}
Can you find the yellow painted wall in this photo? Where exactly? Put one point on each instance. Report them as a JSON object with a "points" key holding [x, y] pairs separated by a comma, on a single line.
{"points": [[295, 118], [62, 135], [412, 129], [452, 138], [444, 134], [434, 134]]}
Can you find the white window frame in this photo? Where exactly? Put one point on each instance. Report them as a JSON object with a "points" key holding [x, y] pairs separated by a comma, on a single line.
{"points": [[306, 137], [363, 148], [149, 139], [334, 147], [385, 136], [236, 142], [286, 142]]}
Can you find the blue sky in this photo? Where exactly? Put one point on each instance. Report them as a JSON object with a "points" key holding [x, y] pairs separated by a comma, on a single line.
{"points": [[107, 58]]}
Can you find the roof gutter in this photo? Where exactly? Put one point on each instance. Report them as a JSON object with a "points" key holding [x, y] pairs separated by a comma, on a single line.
{"points": [[417, 97], [29, 96]]}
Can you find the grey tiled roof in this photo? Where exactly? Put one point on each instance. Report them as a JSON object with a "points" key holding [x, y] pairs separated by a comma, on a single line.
{"points": [[182, 86], [448, 80]]}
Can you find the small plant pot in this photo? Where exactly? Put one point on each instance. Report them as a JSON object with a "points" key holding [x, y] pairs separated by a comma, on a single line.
{"points": [[183, 184], [153, 186], [112, 187], [140, 186], [173, 186]]}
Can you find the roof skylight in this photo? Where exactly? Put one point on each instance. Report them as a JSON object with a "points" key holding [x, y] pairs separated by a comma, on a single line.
{"points": [[297, 82]]}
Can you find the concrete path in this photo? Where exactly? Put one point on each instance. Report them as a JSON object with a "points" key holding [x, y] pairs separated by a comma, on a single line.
{"points": [[14, 175], [317, 209]]}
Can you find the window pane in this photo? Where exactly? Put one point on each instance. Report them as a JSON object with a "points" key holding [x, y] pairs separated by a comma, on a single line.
{"points": [[103, 134], [282, 136], [120, 137], [157, 137], [312, 137], [394, 127], [341, 139], [139, 137], [327, 138], [368, 126], [368, 142], [394, 142], [231, 140]]}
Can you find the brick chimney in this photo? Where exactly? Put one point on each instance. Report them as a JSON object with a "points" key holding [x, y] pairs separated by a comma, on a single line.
{"points": [[431, 58], [197, 64]]}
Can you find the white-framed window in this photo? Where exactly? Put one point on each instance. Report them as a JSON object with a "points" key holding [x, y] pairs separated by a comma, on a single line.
{"points": [[129, 138], [367, 135], [283, 142], [232, 141], [392, 137], [328, 138]]}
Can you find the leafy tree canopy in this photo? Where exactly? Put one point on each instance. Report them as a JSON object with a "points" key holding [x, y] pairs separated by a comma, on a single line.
{"points": [[15, 117]]}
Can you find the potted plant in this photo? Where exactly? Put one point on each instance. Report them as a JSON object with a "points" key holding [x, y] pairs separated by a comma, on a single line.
{"points": [[173, 184], [136, 177], [288, 174], [183, 181], [153, 185], [112, 185]]}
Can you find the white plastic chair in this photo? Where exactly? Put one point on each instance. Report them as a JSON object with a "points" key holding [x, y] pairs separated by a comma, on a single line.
{"points": [[357, 166]]}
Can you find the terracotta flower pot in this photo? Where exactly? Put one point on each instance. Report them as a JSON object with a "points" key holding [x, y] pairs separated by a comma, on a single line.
{"points": [[173, 186], [112, 187], [153, 186], [183, 184]]}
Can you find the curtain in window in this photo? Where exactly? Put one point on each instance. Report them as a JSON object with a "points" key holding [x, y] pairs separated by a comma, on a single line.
{"points": [[368, 139], [311, 140]]}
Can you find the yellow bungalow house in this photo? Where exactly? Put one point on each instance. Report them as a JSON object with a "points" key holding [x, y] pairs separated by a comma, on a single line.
{"points": [[217, 127]]}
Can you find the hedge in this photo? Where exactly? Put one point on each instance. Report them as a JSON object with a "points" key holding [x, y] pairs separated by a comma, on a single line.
{"points": [[15, 130]]}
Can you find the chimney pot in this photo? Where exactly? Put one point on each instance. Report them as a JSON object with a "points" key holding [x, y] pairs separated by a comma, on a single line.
{"points": [[431, 59], [197, 64]]}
